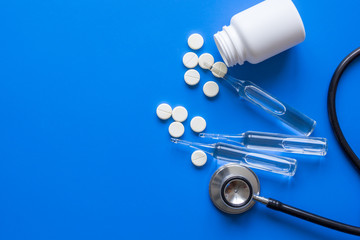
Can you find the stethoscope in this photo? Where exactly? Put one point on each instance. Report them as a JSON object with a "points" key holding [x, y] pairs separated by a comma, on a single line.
{"points": [[234, 189]]}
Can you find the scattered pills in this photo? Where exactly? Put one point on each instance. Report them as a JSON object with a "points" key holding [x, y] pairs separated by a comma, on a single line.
{"points": [[206, 61], [190, 60], [210, 89], [176, 129], [192, 77], [195, 41], [219, 69], [179, 114], [164, 111], [198, 158], [198, 124]]}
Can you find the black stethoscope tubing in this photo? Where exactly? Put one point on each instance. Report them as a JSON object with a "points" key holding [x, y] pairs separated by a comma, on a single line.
{"points": [[276, 205], [332, 107], [279, 206]]}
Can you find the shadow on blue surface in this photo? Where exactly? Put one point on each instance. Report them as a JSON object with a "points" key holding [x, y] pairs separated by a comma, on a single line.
{"points": [[261, 73]]}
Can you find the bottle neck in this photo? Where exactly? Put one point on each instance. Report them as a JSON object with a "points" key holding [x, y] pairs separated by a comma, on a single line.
{"points": [[230, 46]]}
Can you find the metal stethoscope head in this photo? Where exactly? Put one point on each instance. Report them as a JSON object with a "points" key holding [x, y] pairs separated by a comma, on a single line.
{"points": [[234, 189]]}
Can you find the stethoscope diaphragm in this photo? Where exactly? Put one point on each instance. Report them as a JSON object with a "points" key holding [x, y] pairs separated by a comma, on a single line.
{"points": [[232, 188]]}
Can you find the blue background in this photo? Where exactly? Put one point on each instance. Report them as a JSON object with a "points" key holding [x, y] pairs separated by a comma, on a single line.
{"points": [[83, 155]]}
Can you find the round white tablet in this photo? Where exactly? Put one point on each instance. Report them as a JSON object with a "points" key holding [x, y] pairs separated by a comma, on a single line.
{"points": [[206, 61], [195, 41], [210, 89], [190, 60], [192, 77], [198, 124], [176, 129], [179, 114], [164, 111], [198, 158], [219, 69]]}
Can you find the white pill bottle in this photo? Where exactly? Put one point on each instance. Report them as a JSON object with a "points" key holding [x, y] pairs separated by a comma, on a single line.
{"points": [[260, 32]]}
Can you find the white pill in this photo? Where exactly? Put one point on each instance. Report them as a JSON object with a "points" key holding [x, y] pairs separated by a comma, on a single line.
{"points": [[198, 124], [206, 61], [179, 114], [164, 111], [176, 129], [219, 69], [198, 158], [210, 89], [190, 60], [195, 41], [192, 77]]}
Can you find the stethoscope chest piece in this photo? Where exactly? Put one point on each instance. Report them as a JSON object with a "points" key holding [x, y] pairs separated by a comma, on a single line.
{"points": [[232, 188]]}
